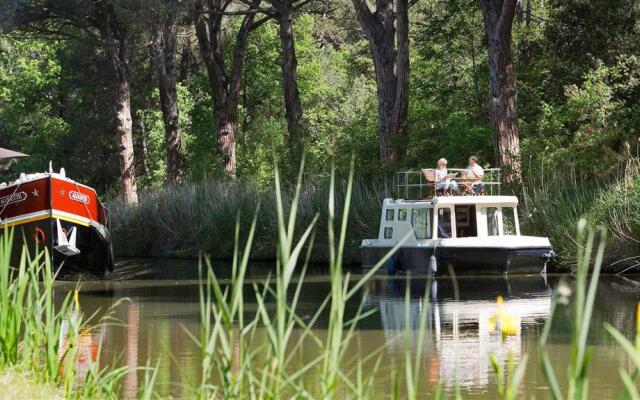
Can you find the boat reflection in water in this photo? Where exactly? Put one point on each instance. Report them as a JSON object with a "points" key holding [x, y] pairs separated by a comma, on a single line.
{"points": [[460, 337]]}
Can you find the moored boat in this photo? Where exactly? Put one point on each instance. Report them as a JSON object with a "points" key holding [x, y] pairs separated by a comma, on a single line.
{"points": [[49, 210], [469, 234]]}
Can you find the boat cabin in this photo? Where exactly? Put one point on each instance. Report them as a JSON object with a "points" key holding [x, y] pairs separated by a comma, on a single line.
{"points": [[448, 218], [474, 233]]}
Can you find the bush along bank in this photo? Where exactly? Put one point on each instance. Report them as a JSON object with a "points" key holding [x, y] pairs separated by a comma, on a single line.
{"points": [[181, 221], [554, 200]]}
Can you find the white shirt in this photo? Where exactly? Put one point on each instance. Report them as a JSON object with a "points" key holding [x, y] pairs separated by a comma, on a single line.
{"points": [[477, 169], [440, 174]]}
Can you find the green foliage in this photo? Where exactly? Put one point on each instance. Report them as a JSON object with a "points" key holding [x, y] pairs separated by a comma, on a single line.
{"points": [[29, 95], [555, 198], [184, 220], [576, 63], [590, 129], [586, 286]]}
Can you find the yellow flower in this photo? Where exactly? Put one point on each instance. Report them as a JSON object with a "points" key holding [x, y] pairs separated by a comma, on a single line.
{"points": [[508, 324], [75, 298]]}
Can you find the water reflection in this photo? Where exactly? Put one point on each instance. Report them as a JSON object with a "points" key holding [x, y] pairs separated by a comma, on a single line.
{"points": [[460, 334], [89, 342], [158, 313]]}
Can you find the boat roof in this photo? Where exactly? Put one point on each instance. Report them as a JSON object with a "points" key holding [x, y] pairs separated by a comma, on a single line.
{"points": [[459, 200]]}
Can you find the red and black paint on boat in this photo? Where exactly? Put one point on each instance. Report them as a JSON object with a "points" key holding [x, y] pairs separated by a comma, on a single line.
{"points": [[50, 210]]}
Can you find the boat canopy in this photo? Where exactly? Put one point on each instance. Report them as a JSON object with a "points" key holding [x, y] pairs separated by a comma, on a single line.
{"points": [[6, 153]]}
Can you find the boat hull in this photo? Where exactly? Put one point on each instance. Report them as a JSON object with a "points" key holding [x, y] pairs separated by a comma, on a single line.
{"points": [[462, 260], [34, 208]]}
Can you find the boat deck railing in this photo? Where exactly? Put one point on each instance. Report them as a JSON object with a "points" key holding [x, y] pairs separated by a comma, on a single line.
{"points": [[413, 185]]}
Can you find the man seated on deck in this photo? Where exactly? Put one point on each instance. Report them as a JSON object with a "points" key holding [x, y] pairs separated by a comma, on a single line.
{"points": [[475, 173]]}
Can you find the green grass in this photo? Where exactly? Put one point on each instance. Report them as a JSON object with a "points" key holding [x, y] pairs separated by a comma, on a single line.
{"points": [[552, 202], [17, 385], [235, 363], [184, 220]]}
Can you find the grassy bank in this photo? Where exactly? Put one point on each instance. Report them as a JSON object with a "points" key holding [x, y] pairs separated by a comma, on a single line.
{"points": [[18, 385], [554, 200], [181, 221], [236, 365]]}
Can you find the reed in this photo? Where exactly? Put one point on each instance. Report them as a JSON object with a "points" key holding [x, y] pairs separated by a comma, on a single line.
{"points": [[231, 366], [629, 377], [583, 300], [182, 221], [39, 336], [553, 200]]}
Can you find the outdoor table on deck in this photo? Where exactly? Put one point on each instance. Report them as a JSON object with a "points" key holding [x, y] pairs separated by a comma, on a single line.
{"points": [[466, 182]]}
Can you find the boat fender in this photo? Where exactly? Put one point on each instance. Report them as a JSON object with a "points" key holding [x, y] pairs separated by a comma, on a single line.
{"points": [[391, 266], [433, 265]]}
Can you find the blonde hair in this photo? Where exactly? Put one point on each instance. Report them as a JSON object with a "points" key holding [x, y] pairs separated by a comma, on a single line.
{"points": [[442, 161]]}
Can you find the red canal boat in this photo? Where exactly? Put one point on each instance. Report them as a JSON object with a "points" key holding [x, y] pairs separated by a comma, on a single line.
{"points": [[50, 210]]}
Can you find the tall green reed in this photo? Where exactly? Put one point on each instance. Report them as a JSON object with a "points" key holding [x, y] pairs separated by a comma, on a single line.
{"points": [[231, 367], [632, 349], [183, 220], [554, 199], [585, 292], [40, 336]]}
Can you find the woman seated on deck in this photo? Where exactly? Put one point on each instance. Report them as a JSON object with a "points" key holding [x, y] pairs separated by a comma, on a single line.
{"points": [[443, 179]]}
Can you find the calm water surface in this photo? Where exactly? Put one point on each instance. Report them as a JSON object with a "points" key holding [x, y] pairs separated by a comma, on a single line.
{"points": [[163, 303]]}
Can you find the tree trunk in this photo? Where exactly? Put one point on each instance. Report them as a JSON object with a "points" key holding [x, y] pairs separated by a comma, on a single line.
{"points": [[164, 47], [390, 54], [117, 53], [289, 65], [225, 89], [226, 126], [186, 61], [498, 18]]}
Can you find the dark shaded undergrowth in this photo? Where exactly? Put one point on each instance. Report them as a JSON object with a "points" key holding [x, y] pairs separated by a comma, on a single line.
{"points": [[554, 200], [182, 221]]}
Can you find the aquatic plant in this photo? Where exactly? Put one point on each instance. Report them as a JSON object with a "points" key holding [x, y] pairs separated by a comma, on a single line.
{"points": [[553, 200], [39, 334], [183, 220], [509, 379], [632, 349], [583, 299], [231, 367]]}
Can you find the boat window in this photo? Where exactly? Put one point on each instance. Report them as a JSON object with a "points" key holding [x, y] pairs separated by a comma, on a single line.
{"points": [[466, 221], [509, 221], [390, 214], [402, 214], [388, 232], [444, 223], [421, 222], [492, 221]]}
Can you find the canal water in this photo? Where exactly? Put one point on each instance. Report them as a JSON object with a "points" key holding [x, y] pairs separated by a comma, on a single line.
{"points": [[162, 304]]}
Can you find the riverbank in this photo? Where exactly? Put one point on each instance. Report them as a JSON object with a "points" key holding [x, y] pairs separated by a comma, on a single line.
{"points": [[16, 385], [181, 221], [552, 202], [184, 220]]}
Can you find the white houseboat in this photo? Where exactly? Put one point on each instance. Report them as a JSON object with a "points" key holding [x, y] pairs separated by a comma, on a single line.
{"points": [[471, 234]]}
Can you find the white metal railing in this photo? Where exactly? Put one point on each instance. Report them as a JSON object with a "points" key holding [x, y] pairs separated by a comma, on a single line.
{"points": [[412, 185]]}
